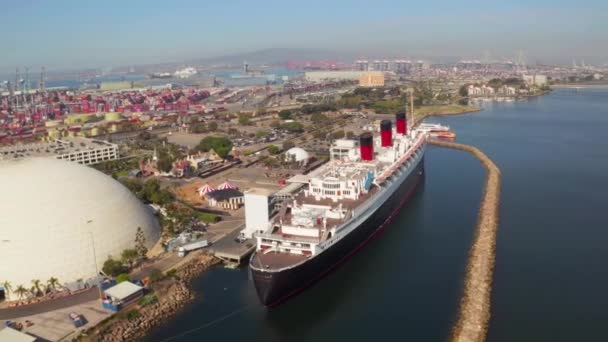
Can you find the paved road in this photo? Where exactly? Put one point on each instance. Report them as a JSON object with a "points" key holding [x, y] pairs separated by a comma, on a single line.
{"points": [[56, 304]]}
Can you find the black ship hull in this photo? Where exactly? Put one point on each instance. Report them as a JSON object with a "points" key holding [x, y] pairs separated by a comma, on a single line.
{"points": [[275, 287]]}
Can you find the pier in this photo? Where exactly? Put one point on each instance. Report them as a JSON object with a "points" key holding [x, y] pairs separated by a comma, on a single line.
{"points": [[474, 310], [232, 251]]}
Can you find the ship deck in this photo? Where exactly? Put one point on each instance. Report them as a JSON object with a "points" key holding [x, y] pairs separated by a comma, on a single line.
{"points": [[275, 260], [346, 203]]}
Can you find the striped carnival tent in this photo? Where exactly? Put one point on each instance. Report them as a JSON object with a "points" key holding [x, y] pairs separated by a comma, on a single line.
{"points": [[205, 189], [227, 185]]}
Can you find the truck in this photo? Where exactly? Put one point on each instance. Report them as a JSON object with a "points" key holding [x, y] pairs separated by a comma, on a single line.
{"points": [[183, 250]]}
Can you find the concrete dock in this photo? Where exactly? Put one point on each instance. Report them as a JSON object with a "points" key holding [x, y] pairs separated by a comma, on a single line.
{"points": [[231, 250]]}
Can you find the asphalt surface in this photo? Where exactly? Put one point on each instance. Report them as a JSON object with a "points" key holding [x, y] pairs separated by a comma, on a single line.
{"points": [[55, 304]]}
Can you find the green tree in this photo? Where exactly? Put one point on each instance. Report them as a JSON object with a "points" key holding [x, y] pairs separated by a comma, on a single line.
{"points": [[273, 149], [140, 242], [212, 126], [293, 127], [221, 145], [338, 134], [320, 119], [21, 291], [8, 288], [113, 267], [244, 120], [156, 275], [463, 91], [122, 277], [37, 287], [52, 283], [198, 128], [350, 134], [161, 197], [164, 164], [128, 256], [285, 114], [261, 134], [319, 134]]}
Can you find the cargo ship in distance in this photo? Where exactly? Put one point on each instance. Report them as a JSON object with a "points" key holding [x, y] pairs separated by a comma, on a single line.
{"points": [[342, 206]]}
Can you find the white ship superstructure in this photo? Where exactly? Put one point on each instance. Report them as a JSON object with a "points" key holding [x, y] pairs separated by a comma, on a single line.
{"points": [[186, 72], [341, 195]]}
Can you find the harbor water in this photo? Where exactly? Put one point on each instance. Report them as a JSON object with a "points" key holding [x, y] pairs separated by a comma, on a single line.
{"points": [[550, 277]]}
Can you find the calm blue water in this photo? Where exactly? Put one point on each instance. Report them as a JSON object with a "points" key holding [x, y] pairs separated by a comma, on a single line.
{"points": [[550, 278], [96, 80]]}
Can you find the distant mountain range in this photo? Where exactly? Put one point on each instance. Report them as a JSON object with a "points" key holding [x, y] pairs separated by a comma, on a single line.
{"points": [[277, 56]]}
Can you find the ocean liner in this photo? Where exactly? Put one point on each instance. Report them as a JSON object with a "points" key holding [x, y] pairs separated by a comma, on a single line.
{"points": [[342, 206]]}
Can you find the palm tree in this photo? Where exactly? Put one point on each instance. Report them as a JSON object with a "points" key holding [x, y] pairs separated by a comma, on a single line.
{"points": [[8, 288], [52, 283], [36, 287], [21, 291]]}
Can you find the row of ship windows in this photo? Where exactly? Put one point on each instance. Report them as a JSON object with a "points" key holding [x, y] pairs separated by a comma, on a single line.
{"points": [[331, 192], [293, 244]]}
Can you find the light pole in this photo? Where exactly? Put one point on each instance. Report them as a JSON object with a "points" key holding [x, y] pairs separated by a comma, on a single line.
{"points": [[95, 259]]}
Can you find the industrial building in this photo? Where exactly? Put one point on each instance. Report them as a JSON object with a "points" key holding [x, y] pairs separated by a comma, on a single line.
{"points": [[398, 66], [81, 150], [372, 79], [62, 220], [342, 75]]}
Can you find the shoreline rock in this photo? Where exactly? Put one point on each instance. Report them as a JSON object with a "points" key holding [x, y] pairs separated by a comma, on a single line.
{"points": [[475, 304], [172, 296]]}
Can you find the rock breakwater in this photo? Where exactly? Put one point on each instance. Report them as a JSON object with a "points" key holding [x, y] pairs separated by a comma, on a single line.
{"points": [[474, 310], [172, 294]]}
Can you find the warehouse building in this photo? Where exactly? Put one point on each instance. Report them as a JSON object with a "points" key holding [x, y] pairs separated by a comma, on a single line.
{"points": [[81, 150]]}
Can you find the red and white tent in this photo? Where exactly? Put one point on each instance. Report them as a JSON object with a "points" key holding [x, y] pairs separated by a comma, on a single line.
{"points": [[227, 185], [205, 189]]}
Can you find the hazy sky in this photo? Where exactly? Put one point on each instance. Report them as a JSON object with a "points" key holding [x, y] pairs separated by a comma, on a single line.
{"points": [[62, 33]]}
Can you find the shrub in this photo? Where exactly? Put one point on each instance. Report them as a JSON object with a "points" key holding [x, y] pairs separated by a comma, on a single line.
{"points": [[273, 149], [113, 267], [208, 218], [122, 277], [130, 315], [172, 273], [147, 299], [156, 275]]}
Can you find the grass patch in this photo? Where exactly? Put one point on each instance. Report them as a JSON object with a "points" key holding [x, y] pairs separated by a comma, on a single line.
{"points": [[147, 299], [208, 218], [444, 109]]}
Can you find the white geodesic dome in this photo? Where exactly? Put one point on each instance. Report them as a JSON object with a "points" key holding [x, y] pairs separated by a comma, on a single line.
{"points": [[299, 154], [56, 215]]}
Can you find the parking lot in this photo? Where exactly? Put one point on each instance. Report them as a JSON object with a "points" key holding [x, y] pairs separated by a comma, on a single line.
{"points": [[57, 326]]}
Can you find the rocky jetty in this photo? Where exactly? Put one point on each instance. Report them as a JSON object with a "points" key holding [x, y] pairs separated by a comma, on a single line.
{"points": [[474, 311], [172, 295]]}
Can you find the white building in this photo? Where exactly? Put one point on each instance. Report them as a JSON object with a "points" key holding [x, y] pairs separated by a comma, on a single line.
{"points": [[81, 150], [259, 206], [297, 154], [474, 91], [536, 80], [507, 91], [63, 220]]}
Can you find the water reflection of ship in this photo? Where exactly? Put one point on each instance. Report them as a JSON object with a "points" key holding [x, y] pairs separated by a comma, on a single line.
{"points": [[160, 75]]}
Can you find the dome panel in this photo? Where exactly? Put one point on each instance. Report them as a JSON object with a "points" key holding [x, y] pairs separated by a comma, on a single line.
{"points": [[55, 214]]}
